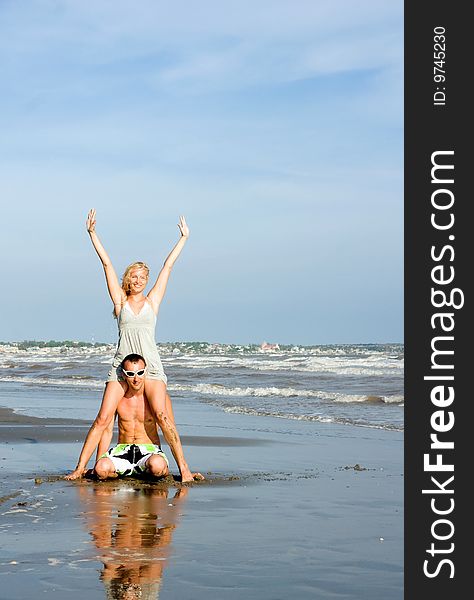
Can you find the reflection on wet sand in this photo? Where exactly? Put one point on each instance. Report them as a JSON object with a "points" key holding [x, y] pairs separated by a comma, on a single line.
{"points": [[132, 528]]}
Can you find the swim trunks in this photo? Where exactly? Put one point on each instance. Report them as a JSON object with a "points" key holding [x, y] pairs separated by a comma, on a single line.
{"points": [[130, 459], [137, 336]]}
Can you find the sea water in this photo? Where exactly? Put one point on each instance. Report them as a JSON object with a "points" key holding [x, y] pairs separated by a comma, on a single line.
{"points": [[359, 385]]}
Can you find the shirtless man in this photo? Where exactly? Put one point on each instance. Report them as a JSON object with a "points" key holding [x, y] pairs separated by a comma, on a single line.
{"points": [[138, 449]]}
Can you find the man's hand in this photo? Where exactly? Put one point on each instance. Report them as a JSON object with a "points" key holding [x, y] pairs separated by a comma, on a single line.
{"points": [[188, 477], [76, 474]]}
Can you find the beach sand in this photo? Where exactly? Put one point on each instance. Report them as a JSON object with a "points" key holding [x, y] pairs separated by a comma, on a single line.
{"points": [[288, 507]]}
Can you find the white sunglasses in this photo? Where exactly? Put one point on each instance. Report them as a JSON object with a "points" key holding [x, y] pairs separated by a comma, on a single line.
{"points": [[138, 373]]}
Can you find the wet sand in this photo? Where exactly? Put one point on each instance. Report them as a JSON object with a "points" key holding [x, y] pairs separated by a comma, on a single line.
{"points": [[313, 510], [16, 428]]}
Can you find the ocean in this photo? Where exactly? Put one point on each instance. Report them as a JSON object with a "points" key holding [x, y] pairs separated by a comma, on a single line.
{"points": [[356, 385]]}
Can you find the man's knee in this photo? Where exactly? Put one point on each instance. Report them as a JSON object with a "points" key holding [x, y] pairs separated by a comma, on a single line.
{"points": [[104, 468], [157, 466]]}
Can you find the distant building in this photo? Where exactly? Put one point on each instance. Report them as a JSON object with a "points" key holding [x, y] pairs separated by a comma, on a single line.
{"points": [[264, 346]]}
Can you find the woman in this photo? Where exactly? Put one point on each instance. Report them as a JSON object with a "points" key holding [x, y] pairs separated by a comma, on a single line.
{"points": [[136, 318]]}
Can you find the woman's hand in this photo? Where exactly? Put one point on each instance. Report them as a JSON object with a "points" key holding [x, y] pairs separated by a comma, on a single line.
{"points": [[90, 223], [183, 227]]}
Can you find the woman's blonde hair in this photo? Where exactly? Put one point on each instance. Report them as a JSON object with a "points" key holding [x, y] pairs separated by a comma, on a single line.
{"points": [[126, 276]]}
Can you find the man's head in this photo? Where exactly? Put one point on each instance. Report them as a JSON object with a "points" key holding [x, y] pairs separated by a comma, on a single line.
{"points": [[134, 368]]}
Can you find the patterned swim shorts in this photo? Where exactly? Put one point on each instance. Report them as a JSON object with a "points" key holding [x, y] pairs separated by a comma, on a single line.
{"points": [[130, 459]]}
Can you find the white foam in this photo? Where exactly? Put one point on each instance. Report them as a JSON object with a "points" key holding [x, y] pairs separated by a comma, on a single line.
{"points": [[313, 418], [220, 390], [46, 381], [396, 399], [369, 366], [216, 390]]}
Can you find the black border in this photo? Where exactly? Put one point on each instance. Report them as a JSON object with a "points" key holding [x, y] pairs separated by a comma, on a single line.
{"points": [[430, 128]]}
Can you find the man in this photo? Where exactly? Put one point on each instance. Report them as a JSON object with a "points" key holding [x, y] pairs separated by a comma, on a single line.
{"points": [[138, 449]]}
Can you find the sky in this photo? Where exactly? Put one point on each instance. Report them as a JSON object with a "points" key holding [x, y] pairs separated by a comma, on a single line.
{"points": [[275, 127]]}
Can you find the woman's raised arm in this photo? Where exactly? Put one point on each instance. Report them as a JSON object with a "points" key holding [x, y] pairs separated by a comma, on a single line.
{"points": [[157, 292], [115, 290]]}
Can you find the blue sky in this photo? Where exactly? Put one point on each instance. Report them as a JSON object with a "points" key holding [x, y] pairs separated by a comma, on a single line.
{"points": [[276, 127]]}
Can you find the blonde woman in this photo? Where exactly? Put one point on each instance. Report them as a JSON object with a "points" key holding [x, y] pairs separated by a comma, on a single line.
{"points": [[136, 318]]}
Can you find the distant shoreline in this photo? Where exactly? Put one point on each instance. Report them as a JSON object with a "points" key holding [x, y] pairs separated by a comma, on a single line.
{"points": [[25, 344]]}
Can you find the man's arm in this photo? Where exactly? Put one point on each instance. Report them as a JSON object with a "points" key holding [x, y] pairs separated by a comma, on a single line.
{"points": [[105, 415], [106, 439], [171, 435]]}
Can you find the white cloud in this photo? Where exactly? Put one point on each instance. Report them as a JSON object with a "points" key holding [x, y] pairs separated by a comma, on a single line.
{"points": [[200, 44]]}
